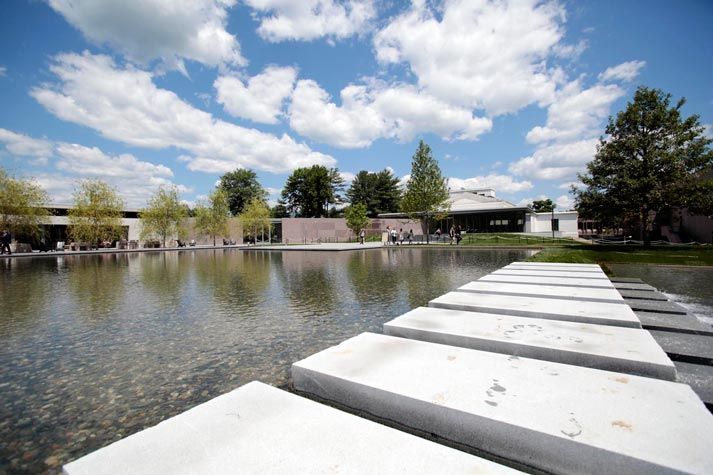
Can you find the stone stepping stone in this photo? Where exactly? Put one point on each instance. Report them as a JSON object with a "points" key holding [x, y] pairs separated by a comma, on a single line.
{"points": [[626, 350], [684, 347], [554, 417], [554, 269], [260, 429], [549, 291], [540, 280], [643, 295], [552, 273], [673, 322], [640, 287], [550, 309], [571, 265], [700, 378], [655, 306]]}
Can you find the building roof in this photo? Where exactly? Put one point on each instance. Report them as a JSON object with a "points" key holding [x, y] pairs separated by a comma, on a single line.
{"points": [[480, 200]]}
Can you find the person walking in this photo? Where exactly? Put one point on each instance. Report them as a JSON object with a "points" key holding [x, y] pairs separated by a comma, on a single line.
{"points": [[401, 236], [438, 234], [452, 234], [386, 236], [410, 236], [458, 234], [362, 235], [6, 240], [393, 237]]}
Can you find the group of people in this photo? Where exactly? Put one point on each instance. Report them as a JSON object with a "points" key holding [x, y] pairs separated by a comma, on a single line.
{"points": [[455, 234], [391, 236], [5, 240]]}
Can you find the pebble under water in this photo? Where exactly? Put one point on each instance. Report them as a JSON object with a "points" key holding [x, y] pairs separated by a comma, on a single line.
{"points": [[95, 348]]}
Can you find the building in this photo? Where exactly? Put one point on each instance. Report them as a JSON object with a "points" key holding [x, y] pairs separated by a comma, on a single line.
{"points": [[480, 211]]}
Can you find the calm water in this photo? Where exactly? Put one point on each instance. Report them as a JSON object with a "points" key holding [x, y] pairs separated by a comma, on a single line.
{"points": [[94, 348], [692, 287]]}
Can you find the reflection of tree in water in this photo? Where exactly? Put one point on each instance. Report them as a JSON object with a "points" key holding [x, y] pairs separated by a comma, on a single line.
{"points": [[97, 282], [236, 278], [23, 295], [164, 274], [427, 275], [308, 279], [373, 276]]}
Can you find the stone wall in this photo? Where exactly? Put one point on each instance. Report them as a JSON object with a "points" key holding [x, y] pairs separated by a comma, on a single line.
{"points": [[296, 230]]}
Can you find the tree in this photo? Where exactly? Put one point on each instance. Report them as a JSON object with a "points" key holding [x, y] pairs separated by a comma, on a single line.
{"points": [[255, 216], [651, 159], [379, 191], [308, 191], [426, 195], [23, 205], [241, 187], [356, 217], [542, 206], [212, 217], [96, 214], [164, 215]]}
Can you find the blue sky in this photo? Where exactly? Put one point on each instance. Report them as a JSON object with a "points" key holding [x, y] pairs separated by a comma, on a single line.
{"points": [[510, 95]]}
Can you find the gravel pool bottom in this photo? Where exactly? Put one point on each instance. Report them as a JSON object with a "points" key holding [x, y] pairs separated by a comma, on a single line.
{"points": [[95, 348]]}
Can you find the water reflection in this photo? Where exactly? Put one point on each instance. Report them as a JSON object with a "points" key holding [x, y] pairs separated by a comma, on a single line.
{"points": [[95, 348]]}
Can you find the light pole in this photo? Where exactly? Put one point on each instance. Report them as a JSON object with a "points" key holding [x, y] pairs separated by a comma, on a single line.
{"points": [[552, 222]]}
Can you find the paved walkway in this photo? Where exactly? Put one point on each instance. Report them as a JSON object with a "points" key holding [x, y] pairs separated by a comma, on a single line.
{"points": [[114, 251], [332, 246]]}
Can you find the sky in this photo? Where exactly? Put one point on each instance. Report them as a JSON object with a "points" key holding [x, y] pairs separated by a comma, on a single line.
{"points": [[510, 95]]}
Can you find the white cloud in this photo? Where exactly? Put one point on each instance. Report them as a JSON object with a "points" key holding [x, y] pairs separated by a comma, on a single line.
{"points": [[311, 19], [708, 130], [348, 177], [564, 202], [3, 71], [556, 161], [576, 112], [622, 72], [500, 183], [377, 110], [478, 54], [169, 30], [24, 146], [259, 99], [125, 105]]}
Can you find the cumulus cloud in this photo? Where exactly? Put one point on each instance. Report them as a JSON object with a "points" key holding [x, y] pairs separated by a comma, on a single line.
{"points": [[260, 98], [377, 110], [125, 105], [564, 202], [146, 30], [622, 72], [556, 161], [500, 183], [135, 180], [307, 20], [489, 55], [576, 112], [22, 145], [3, 71]]}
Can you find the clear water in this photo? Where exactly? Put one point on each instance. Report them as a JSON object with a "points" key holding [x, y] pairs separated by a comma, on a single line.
{"points": [[94, 348], [692, 287]]}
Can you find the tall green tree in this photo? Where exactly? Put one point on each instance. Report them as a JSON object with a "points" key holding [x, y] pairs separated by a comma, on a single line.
{"points": [[542, 206], [96, 214], [308, 191], [255, 218], [651, 159], [23, 205], [212, 216], [379, 191], [164, 215], [426, 195], [241, 187], [356, 217]]}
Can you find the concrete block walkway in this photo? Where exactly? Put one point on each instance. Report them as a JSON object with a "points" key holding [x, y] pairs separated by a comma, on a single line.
{"points": [[537, 366]]}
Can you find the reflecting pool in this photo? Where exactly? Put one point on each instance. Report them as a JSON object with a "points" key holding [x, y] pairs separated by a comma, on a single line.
{"points": [[94, 348]]}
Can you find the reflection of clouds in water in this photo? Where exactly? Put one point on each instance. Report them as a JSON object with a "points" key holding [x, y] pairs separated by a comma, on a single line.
{"points": [[695, 306]]}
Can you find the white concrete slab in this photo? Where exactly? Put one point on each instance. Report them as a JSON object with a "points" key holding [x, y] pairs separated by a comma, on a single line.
{"points": [[586, 271], [557, 264], [563, 281], [261, 429], [627, 350], [551, 273], [581, 311], [555, 417], [547, 291]]}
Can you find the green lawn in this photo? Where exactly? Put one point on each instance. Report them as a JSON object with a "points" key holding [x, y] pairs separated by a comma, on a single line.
{"points": [[683, 255]]}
